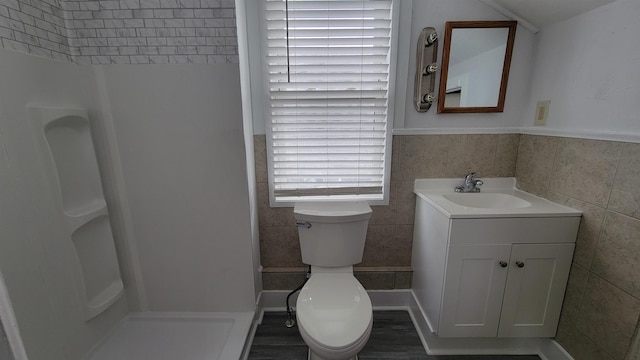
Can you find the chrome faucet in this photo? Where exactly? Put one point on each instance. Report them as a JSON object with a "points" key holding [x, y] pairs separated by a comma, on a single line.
{"points": [[470, 184]]}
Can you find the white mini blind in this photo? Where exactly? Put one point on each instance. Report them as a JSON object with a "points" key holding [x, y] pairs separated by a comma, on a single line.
{"points": [[328, 66]]}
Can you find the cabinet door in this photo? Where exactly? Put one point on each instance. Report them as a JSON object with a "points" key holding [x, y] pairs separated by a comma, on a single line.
{"points": [[473, 290], [535, 288]]}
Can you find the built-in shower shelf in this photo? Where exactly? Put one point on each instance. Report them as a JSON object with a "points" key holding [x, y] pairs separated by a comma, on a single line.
{"points": [[104, 299], [69, 156], [81, 215]]}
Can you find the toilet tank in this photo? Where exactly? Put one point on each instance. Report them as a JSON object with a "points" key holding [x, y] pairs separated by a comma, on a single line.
{"points": [[332, 234]]}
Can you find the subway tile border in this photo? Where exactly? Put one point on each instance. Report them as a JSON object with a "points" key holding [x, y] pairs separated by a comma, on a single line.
{"points": [[122, 31]]}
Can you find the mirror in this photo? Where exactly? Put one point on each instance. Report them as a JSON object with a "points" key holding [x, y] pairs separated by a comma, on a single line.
{"points": [[475, 66]]}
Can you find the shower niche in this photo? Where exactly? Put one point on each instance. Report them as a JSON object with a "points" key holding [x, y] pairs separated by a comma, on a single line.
{"points": [[70, 161]]}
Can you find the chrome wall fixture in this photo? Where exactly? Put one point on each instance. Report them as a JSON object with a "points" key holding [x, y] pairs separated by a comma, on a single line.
{"points": [[426, 68]]}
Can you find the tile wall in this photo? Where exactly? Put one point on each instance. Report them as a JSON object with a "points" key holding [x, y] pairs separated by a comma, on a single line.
{"points": [[601, 178], [34, 27], [152, 31], [387, 255], [122, 31]]}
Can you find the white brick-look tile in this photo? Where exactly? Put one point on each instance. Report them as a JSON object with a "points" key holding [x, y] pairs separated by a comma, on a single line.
{"points": [[143, 14], [174, 23], [128, 50], [183, 13], [121, 31], [96, 42], [157, 41], [105, 33], [139, 59], [15, 45], [109, 50], [122, 14], [196, 41], [109, 4], [167, 50], [89, 5], [133, 23], [176, 41], [6, 33], [189, 4], [210, 4], [13, 4], [137, 41], [159, 59], [168, 4], [4, 11], [203, 13], [129, 4], [163, 13], [116, 41], [149, 4]]}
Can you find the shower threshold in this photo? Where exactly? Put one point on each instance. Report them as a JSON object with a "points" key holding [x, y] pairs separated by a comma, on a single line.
{"points": [[170, 336]]}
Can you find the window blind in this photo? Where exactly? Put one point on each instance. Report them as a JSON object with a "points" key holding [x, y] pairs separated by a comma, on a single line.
{"points": [[328, 65]]}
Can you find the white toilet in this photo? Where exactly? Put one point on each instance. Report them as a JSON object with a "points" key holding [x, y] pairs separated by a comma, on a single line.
{"points": [[333, 309]]}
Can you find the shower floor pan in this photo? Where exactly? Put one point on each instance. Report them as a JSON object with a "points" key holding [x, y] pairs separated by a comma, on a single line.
{"points": [[171, 336]]}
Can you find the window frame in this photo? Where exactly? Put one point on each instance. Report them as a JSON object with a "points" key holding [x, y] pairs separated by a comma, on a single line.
{"points": [[263, 107]]}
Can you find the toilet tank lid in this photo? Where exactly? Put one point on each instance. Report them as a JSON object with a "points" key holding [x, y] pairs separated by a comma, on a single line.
{"points": [[335, 211]]}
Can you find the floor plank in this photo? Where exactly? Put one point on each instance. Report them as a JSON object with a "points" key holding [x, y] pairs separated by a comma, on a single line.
{"points": [[393, 337]]}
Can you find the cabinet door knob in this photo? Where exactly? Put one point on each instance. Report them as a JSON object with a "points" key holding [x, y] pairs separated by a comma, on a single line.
{"points": [[503, 264], [519, 264]]}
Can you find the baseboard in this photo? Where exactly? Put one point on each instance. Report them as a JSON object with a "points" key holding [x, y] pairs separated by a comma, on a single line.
{"points": [[551, 350], [275, 300], [547, 349]]}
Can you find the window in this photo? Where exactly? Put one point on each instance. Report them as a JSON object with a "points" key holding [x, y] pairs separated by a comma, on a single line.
{"points": [[328, 66]]}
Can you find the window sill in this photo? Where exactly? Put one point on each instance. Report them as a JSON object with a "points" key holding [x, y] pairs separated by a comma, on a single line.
{"points": [[290, 201]]}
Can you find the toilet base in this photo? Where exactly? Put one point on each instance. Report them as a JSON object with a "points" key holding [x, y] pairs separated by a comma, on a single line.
{"points": [[313, 356]]}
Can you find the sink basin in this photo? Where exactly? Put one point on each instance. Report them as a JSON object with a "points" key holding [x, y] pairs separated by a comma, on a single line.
{"points": [[499, 198], [487, 200]]}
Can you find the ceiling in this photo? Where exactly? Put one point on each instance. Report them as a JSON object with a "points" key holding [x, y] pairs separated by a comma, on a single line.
{"points": [[541, 13]]}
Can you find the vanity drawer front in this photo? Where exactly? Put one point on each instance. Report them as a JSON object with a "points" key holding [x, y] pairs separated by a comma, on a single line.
{"points": [[513, 230]]}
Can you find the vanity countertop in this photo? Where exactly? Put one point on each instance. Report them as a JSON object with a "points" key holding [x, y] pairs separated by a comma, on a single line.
{"points": [[498, 197]]}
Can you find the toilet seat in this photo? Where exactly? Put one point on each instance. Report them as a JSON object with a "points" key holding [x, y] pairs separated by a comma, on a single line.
{"points": [[334, 313]]}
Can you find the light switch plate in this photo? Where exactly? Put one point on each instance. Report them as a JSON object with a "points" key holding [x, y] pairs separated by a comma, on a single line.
{"points": [[542, 113]]}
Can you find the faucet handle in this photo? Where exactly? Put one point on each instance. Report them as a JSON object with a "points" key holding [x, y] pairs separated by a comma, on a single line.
{"points": [[469, 178]]}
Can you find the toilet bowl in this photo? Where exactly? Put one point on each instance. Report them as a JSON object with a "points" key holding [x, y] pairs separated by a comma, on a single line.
{"points": [[333, 309], [334, 316]]}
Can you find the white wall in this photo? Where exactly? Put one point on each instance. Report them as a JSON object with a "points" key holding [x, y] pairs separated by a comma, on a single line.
{"points": [[588, 67], [35, 252], [180, 136], [435, 13], [432, 13]]}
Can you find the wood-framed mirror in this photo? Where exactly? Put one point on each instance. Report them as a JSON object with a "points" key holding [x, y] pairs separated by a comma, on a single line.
{"points": [[475, 66]]}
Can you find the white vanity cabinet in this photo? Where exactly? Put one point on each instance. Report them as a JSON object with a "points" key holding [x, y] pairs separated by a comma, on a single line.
{"points": [[486, 293], [491, 276]]}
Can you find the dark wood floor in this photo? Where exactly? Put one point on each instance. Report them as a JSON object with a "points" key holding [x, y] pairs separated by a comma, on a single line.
{"points": [[393, 337]]}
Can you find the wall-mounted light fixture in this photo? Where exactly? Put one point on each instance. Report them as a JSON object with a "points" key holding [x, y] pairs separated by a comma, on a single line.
{"points": [[426, 68]]}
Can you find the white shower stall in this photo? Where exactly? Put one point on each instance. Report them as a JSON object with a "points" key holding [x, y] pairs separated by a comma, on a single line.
{"points": [[124, 210]]}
